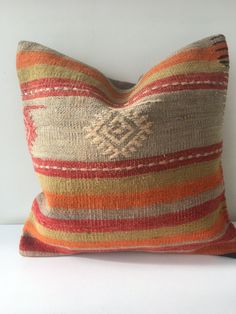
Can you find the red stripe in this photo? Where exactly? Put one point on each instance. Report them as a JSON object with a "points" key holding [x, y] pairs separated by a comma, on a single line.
{"points": [[60, 82], [138, 96], [175, 88], [129, 162], [30, 244], [97, 93], [51, 82], [75, 174], [109, 167], [109, 225], [183, 78]]}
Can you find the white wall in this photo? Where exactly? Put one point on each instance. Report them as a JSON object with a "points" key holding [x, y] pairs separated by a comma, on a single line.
{"points": [[121, 38]]}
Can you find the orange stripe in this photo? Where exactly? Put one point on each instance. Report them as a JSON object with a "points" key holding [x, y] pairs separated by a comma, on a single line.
{"points": [[195, 54], [200, 235], [169, 193]]}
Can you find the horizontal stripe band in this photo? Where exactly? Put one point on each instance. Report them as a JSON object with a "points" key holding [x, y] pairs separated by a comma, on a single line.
{"points": [[128, 167], [192, 226], [135, 183], [39, 86], [219, 245], [126, 224], [162, 162], [26, 59], [127, 213], [205, 235], [165, 89], [132, 163], [198, 67], [145, 198]]}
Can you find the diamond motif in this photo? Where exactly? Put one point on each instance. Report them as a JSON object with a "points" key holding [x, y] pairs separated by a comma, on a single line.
{"points": [[119, 134]]}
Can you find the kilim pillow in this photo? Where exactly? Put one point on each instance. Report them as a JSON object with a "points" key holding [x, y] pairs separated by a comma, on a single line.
{"points": [[122, 166]]}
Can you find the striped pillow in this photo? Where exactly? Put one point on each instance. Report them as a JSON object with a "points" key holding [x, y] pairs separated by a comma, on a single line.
{"points": [[122, 166]]}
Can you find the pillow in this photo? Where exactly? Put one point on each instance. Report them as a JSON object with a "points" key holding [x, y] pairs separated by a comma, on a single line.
{"points": [[122, 166]]}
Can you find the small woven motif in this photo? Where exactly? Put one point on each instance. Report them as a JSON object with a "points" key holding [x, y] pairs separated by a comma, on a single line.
{"points": [[119, 134]]}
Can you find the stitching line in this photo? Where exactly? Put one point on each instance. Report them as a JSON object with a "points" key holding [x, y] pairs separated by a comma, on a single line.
{"points": [[162, 162]]}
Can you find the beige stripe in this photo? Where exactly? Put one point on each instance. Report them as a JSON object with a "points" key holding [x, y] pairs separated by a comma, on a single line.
{"points": [[195, 226], [128, 213]]}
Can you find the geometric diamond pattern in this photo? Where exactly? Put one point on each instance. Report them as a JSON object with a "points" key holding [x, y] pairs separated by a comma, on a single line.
{"points": [[118, 133]]}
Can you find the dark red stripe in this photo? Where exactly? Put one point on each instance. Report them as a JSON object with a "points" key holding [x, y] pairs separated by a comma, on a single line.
{"points": [[123, 171], [129, 162], [51, 82], [90, 94], [175, 88], [109, 225]]}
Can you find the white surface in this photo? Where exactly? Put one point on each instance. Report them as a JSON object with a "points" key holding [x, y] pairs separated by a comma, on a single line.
{"points": [[121, 38], [113, 283]]}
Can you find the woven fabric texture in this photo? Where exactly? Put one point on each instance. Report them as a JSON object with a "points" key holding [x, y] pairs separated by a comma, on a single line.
{"points": [[122, 166]]}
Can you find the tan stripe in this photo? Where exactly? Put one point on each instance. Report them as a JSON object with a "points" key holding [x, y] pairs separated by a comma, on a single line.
{"points": [[132, 183], [128, 213], [195, 226]]}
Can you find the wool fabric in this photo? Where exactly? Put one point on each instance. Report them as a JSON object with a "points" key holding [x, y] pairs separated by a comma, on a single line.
{"points": [[123, 166]]}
